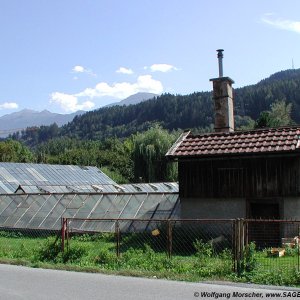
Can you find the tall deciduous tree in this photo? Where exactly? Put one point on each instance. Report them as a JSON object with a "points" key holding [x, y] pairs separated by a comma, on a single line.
{"points": [[149, 149], [278, 115], [13, 151]]}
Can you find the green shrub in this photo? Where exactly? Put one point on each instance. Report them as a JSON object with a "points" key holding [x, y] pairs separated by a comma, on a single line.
{"points": [[249, 261], [74, 254], [11, 234], [49, 250], [94, 237], [105, 257], [203, 250], [283, 276], [289, 251]]}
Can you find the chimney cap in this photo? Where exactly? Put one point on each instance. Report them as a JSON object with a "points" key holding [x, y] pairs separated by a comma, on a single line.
{"points": [[228, 79], [220, 53]]}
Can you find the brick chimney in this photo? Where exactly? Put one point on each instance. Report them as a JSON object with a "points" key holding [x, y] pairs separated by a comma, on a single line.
{"points": [[223, 99]]}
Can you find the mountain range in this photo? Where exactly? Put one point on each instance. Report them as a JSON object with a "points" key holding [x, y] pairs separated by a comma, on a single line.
{"points": [[20, 120]]}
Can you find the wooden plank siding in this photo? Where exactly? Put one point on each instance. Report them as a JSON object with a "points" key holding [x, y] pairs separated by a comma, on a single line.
{"points": [[240, 177]]}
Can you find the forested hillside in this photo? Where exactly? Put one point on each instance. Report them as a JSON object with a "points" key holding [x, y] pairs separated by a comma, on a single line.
{"points": [[282, 86], [129, 142], [172, 112]]}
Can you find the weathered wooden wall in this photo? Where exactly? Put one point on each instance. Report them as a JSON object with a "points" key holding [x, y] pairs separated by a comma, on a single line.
{"points": [[240, 177]]}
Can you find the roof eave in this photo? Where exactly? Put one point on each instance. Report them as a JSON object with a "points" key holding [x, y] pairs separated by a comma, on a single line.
{"points": [[178, 142], [237, 155]]}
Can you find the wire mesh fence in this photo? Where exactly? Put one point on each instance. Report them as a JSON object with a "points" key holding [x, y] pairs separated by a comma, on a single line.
{"points": [[249, 244], [193, 244], [171, 238], [276, 243]]}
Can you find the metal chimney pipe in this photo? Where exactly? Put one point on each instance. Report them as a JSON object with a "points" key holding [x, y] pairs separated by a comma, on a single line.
{"points": [[220, 59]]}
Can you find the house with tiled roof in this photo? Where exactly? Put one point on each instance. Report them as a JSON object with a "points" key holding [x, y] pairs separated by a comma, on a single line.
{"points": [[238, 174]]}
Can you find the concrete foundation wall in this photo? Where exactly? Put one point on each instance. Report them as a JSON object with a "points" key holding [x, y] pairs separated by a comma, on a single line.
{"points": [[200, 208], [291, 208], [195, 208]]}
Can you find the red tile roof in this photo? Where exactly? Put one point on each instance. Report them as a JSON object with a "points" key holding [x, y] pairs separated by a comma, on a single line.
{"points": [[272, 140]]}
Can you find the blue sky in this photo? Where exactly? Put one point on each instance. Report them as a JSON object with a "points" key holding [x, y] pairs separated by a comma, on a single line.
{"points": [[66, 55]]}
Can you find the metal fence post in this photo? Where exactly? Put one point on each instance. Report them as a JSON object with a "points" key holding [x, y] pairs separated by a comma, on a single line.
{"points": [[233, 246], [63, 234], [298, 247], [169, 238], [67, 232], [239, 243], [117, 233]]}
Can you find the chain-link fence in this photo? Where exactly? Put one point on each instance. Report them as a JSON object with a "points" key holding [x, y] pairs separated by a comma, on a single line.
{"points": [[173, 237], [248, 244], [233, 245], [274, 244], [189, 245]]}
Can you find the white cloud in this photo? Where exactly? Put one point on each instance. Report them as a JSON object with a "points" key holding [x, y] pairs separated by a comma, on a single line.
{"points": [[69, 103], [281, 23], [80, 69], [9, 105], [161, 68], [120, 90], [144, 83], [123, 70]]}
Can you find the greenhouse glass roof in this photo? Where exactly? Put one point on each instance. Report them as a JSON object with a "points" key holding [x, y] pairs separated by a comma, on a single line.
{"points": [[161, 187], [12, 175]]}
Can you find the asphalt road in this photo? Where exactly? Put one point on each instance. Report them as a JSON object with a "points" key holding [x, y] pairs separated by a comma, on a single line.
{"points": [[37, 284]]}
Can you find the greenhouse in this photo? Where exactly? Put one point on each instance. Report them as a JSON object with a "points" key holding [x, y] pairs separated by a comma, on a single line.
{"points": [[37, 197]]}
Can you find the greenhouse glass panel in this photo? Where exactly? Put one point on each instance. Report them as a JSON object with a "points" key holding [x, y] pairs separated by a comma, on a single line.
{"points": [[150, 204], [76, 201], [102, 207], [67, 199], [49, 204], [19, 212], [133, 206], [11, 207], [87, 207], [117, 206], [112, 210], [168, 208], [168, 201], [32, 204], [51, 214], [35, 209], [4, 202], [98, 226]]}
